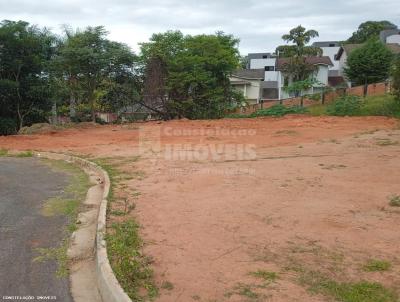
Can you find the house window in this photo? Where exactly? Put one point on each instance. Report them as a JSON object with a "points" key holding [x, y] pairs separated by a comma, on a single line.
{"points": [[332, 45], [265, 56], [269, 68]]}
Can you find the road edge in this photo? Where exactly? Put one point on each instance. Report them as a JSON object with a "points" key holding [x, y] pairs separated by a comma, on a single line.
{"points": [[107, 283]]}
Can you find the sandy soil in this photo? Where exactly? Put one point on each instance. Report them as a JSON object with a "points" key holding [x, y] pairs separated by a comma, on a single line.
{"points": [[222, 199]]}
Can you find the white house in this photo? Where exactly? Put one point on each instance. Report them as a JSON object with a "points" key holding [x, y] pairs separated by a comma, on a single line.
{"points": [[264, 79], [346, 49], [249, 82], [390, 36]]}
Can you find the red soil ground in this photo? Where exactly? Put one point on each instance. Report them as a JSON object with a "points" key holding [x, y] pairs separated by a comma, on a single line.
{"points": [[289, 195]]}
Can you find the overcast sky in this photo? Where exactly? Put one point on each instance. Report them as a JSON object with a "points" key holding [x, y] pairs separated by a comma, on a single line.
{"points": [[259, 24]]}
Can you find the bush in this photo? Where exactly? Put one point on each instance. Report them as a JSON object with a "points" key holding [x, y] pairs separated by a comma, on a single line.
{"points": [[346, 105], [8, 126], [279, 110], [384, 105]]}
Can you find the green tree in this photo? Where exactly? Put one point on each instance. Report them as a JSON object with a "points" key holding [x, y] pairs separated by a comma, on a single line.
{"points": [[198, 83], [300, 37], [369, 30], [396, 78], [88, 61], [157, 57], [299, 87], [25, 52], [188, 75], [369, 63]]}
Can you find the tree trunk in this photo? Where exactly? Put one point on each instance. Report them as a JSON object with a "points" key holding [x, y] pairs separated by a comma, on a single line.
{"points": [[54, 119], [365, 88], [72, 106], [92, 109], [302, 101]]}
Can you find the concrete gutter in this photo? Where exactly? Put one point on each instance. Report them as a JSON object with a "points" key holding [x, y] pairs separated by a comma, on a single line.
{"points": [[92, 278]]}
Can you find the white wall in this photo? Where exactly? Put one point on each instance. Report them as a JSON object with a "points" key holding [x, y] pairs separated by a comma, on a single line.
{"points": [[261, 63], [322, 74], [271, 76], [393, 39], [331, 52], [250, 91]]}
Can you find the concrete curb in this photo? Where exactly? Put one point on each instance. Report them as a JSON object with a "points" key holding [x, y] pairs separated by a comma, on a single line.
{"points": [[108, 285]]}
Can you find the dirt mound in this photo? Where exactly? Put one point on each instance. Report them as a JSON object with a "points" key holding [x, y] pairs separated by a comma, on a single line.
{"points": [[37, 129], [42, 128]]}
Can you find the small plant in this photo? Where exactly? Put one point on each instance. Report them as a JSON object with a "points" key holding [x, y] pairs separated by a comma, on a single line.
{"points": [[266, 275], [279, 110], [386, 142], [167, 285], [362, 291], [3, 152], [24, 154], [347, 105], [394, 201], [374, 265], [130, 266]]}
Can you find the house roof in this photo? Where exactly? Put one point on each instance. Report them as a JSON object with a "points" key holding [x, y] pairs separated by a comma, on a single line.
{"points": [[256, 74], [387, 33], [240, 82], [348, 48], [326, 44], [324, 60]]}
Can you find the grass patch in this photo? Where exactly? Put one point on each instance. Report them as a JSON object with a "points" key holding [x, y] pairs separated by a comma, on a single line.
{"points": [[386, 142], [65, 205], [276, 111], [381, 105], [58, 254], [317, 110], [130, 266], [3, 152], [362, 291], [394, 201], [124, 245], [374, 265], [167, 285], [265, 275], [24, 154]]}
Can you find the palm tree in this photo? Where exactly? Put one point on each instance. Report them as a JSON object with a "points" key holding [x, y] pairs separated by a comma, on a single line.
{"points": [[300, 37]]}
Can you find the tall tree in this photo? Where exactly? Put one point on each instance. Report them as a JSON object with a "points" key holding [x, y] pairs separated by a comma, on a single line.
{"points": [[369, 30], [395, 73], [297, 69], [25, 51], [299, 37], [369, 63], [157, 56], [87, 59], [199, 81]]}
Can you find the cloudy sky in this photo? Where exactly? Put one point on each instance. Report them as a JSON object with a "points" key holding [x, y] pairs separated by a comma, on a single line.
{"points": [[259, 24]]}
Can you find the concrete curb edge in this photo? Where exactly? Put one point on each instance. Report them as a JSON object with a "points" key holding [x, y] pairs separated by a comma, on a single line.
{"points": [[108, 285]]}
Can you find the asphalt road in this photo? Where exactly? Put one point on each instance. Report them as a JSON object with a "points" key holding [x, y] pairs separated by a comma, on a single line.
{"points": [[25, 183]]}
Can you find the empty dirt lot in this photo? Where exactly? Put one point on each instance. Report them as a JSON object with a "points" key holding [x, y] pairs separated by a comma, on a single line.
{"points": [[270, 209]]}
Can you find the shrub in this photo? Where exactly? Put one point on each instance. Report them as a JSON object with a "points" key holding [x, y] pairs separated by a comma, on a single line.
{"points": [[8, 126], [279, 110], [345, 105]]}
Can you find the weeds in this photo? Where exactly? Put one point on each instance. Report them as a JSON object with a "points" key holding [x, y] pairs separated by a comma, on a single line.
{"points": [[265, 275], [374, 265], [130, 266], [167, 285], [3, 152], [65, 205], [394, 201], [362, 291]]}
